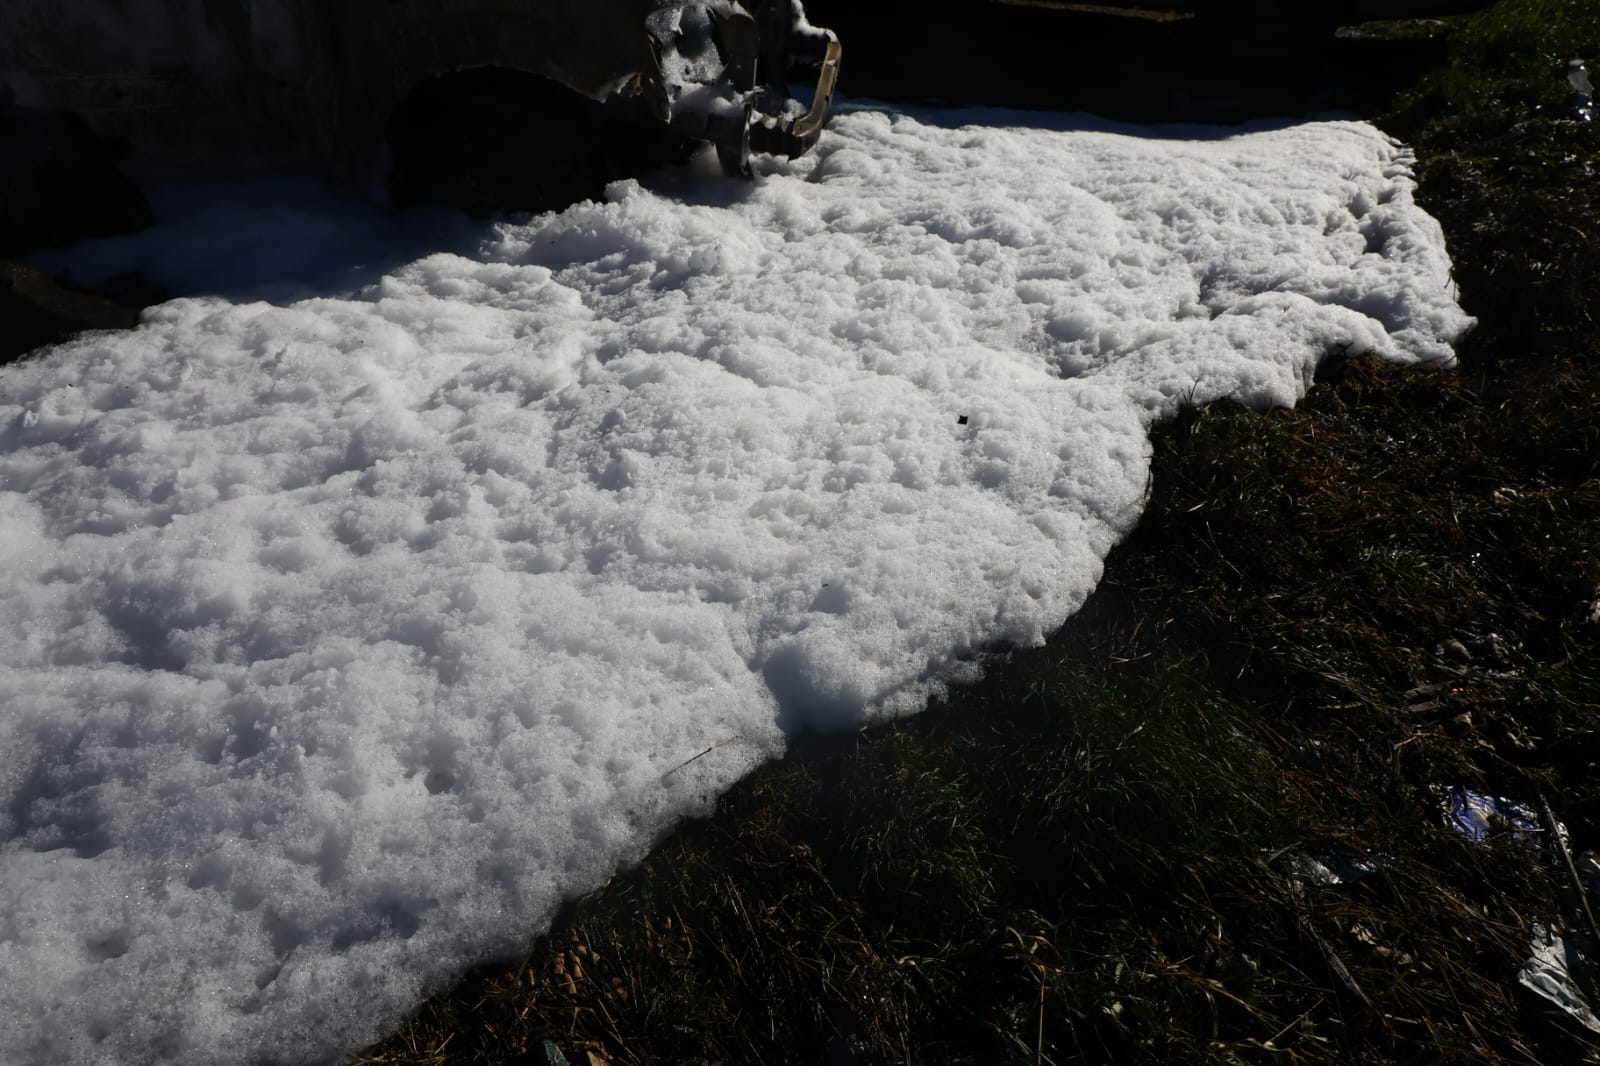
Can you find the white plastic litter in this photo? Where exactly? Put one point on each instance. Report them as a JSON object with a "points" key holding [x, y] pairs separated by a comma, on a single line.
{"points": [[1548, 974], [1583, 90]]}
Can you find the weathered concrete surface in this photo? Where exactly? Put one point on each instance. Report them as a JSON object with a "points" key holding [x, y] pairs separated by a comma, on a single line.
{"points": [[59, 182], [381, 50], [214, 85], [183, 82]]}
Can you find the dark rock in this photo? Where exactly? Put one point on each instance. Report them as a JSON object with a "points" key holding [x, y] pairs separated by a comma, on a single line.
{"points": [[36, 309]]}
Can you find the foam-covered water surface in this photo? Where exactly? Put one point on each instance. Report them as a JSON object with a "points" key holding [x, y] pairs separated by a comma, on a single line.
{"points": [[341, 639]]}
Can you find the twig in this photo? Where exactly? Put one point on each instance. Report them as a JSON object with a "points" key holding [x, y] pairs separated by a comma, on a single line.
{"points": [[1038, 1042], [1554, 830], [1336, 964], [703, 754], [1273, 1039]]}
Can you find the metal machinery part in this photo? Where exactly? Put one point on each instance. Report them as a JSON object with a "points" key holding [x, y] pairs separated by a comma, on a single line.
{"points": [[764, 48]]}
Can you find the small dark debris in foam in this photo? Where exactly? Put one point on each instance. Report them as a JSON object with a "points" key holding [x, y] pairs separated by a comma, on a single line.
{"points": [[108, 946]]}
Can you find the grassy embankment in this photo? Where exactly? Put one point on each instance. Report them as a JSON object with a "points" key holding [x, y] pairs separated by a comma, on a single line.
{"points": [[1096, 854]]}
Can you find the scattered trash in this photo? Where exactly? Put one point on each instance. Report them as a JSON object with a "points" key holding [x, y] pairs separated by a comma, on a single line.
{"points": [[1559, 969], [1562, 967], [1583, 91], [1329, 870], [1380, 949], [1478, 817], [1549, 975], [1578, 900], [548, 1054], [1425, 699]]}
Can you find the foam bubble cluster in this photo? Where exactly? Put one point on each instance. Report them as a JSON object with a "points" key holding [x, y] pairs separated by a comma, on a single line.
{"points": [[341, 640]]}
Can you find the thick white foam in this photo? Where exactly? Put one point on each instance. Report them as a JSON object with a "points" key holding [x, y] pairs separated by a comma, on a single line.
{"points": [[341, 640]]}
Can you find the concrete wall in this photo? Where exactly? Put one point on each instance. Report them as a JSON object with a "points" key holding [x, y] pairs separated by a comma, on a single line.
{"points": [[379, 50], [214, 85]]}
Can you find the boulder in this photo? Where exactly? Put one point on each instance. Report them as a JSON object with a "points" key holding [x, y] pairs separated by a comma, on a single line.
{"points": [[36, 309]]}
